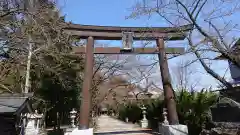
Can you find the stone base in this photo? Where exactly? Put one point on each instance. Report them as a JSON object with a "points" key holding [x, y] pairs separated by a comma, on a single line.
{"points": [[173, 129], [76, 131], [68, 131], [144, 123]]}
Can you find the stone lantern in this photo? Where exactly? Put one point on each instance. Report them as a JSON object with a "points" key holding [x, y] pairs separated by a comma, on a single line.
{"points": [[73, 116], [33, 123], [165, 119], [144, 121]]}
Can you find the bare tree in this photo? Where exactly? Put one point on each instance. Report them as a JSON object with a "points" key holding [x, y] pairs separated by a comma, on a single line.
{"points": [[184, 76], [215, 27], [107, 69], [115, 76]]}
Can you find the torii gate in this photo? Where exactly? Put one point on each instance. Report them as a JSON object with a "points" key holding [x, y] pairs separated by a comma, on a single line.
{"points": [[127, 35]]}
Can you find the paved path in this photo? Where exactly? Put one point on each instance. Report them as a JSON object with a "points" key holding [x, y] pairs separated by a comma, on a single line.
{"points": [[110, 126]]}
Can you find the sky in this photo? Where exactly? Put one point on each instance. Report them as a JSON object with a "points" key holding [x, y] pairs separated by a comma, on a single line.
{"points": [[114, 12]]}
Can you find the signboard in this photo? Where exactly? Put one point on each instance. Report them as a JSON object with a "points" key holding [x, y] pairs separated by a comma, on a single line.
{"points": [[127, 40]]}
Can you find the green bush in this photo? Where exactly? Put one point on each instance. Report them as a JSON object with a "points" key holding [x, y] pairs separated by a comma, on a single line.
{"points": [[154, 111], [131, 111], [192, 107]]}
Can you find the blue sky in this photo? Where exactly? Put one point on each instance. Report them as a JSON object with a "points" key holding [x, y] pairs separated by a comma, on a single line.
{"points": [[106, 12], [113, 12]]}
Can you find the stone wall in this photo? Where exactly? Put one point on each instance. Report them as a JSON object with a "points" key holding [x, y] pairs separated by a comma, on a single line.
{"points": [[226, 118], [220, 131]]}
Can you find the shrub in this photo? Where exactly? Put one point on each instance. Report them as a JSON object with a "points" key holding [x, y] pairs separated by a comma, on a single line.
{"points": [[193, 109], [154, 111], [131, 111]]}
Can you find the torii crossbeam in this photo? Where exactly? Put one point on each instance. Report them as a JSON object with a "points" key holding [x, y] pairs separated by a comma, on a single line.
{"points": [[127, 34]]}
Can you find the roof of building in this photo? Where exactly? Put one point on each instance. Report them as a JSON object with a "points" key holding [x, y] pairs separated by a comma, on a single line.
{"points": [[11, 103]]}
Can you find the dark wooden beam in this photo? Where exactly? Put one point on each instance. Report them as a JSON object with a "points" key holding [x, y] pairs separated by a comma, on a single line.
{"points": [[118, 36], [118, 50], [96, 28], [115, 33]]}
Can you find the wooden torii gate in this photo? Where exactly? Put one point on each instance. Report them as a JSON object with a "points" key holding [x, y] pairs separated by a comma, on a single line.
{"points": [[127, 35]]}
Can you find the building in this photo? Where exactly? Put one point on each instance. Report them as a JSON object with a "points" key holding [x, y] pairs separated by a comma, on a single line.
{"points": [[12, 108]]}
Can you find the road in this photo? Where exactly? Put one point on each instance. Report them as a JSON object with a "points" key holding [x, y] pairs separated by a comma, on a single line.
{"points": [[111, 126]]}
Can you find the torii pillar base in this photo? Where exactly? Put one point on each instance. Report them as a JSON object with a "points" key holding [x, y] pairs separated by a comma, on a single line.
{"points": [[77, 131], [178, 129]]}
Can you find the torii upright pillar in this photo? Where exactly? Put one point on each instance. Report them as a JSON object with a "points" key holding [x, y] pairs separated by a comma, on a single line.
{"points": [[166, 82], [87, 83]]}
